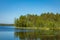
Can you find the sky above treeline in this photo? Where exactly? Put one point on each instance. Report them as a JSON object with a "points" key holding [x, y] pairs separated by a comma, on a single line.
{"points": [[11, 9]]}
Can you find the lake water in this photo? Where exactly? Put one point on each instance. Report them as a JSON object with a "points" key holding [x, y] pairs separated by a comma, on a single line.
{"points": [[13, 33], [7, 33]]}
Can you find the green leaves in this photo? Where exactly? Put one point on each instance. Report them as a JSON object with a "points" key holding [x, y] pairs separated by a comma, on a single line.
{"points": [[44, 20]]}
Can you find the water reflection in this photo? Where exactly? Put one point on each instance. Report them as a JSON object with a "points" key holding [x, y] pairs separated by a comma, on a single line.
{"points": [[12, 33], [38, 34]]}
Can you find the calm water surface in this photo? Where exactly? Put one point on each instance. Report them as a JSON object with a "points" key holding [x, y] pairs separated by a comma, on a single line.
{"points": [[7, 33], [11, 33]]}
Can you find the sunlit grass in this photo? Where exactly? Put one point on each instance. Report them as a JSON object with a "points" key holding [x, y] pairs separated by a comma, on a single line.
{"points": [[41, 28]]}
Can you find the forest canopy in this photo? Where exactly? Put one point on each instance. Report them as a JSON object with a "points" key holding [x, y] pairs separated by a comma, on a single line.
{"points": [[42, 20]]}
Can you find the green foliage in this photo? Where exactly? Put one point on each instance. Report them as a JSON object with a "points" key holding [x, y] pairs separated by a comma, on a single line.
{"points": [[44, 20]]}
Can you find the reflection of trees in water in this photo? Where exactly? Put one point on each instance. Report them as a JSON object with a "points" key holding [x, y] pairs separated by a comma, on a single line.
{"points": [[38, 34], [26, 35]]}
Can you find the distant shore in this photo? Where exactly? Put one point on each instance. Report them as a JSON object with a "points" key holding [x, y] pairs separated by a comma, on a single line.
{"points": [[6, 24]]}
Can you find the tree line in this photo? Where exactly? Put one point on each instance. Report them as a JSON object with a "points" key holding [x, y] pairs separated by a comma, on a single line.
{"points": [[42, 20], [6, 24]]}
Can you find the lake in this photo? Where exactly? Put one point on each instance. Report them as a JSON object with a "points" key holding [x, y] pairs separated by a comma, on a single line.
{"points": [[13, 33], [7, 33]]}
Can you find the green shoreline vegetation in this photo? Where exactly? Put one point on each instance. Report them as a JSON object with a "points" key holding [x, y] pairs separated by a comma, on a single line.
{"points": [[49, 20], [46, 21]]}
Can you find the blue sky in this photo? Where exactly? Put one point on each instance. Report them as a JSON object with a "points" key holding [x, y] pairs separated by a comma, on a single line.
{"points": [[11, 9]]}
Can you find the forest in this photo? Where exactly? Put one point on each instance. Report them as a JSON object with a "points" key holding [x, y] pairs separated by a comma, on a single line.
{"points": [[43, 20]]}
